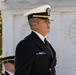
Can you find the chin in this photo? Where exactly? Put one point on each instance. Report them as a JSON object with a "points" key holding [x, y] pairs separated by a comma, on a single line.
{"points": [[48, 32]]}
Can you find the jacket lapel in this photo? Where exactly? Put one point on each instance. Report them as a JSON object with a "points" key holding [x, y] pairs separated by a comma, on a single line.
{"points": [[41, 44], [54, 60]]}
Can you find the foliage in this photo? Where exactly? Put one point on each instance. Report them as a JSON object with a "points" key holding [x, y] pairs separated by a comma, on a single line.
{"points": [[0, 59]]}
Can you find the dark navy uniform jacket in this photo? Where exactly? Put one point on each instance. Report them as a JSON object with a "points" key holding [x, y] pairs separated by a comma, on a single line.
{"points": [[32, 57]]}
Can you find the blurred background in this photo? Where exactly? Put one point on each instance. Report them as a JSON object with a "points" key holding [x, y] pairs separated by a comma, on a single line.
{"points": [[0, 41], [14, 27]]}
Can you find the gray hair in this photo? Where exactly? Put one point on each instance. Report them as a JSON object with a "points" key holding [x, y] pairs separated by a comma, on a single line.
{"points": [[32, 20]]}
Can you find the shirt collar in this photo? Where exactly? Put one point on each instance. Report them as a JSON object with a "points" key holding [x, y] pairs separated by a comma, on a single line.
{"points": [[10, 72], [40, 36]]}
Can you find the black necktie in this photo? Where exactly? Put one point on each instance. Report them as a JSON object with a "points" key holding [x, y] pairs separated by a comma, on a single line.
{"points": [[47, 45], [46, 42]]}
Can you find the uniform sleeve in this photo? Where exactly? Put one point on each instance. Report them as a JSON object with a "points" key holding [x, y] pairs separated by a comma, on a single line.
{"points": [[24, 57]]}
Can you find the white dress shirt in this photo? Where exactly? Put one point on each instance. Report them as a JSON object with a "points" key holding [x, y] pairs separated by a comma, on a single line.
{"points": [[40, 36]]}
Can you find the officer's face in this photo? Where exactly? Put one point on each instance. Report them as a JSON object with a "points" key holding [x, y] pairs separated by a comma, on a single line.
{"points": [[43, 26], [10, 66]]}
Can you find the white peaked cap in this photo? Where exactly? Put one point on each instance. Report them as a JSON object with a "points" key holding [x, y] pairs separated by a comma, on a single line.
{"points": [[39, 12]]}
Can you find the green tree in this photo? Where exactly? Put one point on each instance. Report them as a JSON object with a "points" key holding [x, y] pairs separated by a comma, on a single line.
{"points": [[0, 59], [0, 41]]}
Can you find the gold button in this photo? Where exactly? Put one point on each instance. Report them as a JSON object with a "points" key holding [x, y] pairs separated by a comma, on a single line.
{"points": [[49, 69]]}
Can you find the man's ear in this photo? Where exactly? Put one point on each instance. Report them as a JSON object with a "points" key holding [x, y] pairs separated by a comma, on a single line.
{"points": [[34, 24]]}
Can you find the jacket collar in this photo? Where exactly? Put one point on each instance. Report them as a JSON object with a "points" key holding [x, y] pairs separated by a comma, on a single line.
{"points": [[41, 44]]}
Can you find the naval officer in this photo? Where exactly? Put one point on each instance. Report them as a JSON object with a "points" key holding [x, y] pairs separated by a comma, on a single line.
{"points": [[34, 54], [9, 64]]}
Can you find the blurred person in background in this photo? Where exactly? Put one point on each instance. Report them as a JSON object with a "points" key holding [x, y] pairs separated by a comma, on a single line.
{"points": [[9, 65]]}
